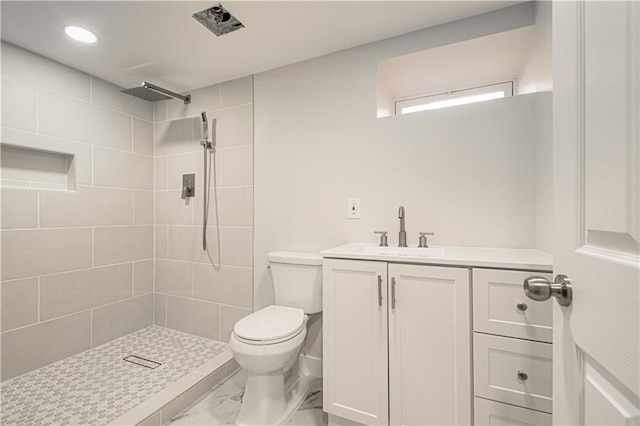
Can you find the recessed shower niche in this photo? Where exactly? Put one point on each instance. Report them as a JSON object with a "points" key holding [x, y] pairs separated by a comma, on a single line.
{"points": [[33, 168]]}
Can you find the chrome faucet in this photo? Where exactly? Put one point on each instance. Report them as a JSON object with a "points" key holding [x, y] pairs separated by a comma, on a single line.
{"points": [[402, 236]]}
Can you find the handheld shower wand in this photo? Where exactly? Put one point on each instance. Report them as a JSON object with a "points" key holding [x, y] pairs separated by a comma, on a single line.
{"points": [[209, 148], [205, 132], [205, 125]]}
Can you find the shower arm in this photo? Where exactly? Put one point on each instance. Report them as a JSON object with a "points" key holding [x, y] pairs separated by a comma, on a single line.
{"points": [[150, 86]]}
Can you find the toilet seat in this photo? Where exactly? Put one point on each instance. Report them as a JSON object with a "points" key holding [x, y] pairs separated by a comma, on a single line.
{"points": [[270, 325]]}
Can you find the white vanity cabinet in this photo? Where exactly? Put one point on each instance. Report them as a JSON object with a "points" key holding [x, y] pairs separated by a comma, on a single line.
{"points": [[397, 343]]}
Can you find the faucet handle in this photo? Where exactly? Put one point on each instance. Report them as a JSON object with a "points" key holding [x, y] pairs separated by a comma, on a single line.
{"points": [[422, 241], [383, 238], [187, 191]]}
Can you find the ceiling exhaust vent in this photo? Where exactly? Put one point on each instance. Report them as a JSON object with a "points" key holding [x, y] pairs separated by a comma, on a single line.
{"points": [[218, 20]]}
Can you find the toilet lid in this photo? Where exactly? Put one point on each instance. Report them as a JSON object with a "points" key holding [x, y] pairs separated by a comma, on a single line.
{"points": [[270, 323]]}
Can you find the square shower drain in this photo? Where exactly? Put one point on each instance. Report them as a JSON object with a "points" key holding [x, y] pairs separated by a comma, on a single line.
{"points": [[134, 359]]}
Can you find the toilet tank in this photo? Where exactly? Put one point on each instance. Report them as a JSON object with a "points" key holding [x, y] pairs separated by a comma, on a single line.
{"points": [[297, 280]]}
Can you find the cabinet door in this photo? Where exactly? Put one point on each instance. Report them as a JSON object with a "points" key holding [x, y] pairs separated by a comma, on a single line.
{"points": [[355, 361], [429, 345]]}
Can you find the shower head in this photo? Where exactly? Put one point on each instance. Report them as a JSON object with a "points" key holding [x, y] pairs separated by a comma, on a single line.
{"points": [[205, 125], [152, 93]]}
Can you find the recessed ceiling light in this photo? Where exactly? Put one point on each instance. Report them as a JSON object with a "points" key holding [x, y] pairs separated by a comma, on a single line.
{"points": [[80, 34]]}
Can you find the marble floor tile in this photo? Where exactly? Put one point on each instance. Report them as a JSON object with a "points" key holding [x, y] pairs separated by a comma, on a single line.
{"points": [[221, 405]]}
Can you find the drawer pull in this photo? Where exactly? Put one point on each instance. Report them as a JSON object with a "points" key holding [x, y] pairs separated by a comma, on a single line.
{"points": [[521, 306], [522, 376]]}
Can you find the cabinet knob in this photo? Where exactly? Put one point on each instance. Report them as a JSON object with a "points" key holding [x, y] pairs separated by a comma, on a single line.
{"points": [[521, 306], [522, 376]]}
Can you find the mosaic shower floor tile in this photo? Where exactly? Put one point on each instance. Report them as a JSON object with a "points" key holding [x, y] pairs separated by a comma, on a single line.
{"points": [[97, 386]]}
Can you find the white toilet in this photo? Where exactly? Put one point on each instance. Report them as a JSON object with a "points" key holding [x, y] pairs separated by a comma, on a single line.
{"points": [[267, 342]]}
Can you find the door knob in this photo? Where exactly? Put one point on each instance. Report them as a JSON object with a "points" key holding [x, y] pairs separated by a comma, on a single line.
{"points": [[540, 289]]}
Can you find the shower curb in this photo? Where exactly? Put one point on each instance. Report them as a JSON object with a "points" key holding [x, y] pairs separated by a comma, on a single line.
{"points": [[164, 405]]}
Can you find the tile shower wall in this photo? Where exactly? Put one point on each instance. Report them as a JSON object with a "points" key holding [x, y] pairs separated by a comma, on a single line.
{"points": [[77, 265], [190, 294]]}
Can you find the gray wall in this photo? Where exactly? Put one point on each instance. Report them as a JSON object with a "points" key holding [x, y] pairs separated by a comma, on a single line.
{"points": [[77, 256], [190, 294], [78, 227]]}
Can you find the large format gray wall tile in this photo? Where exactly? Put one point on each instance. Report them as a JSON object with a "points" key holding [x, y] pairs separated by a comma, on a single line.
{"points": [[142, 277], [143, 207], [172, 210], [159, 111], [185, 243], [121, 318], [235, 206], [184, 164], [236, 166], [162, 248], [143, 137], [122, 169], [35, 346], [235, 126], [86, 206], [19, 208], [77, 120], [122, 244], [228, 285], [194, 317], [204, 99], [160, 309], [40, 71], [237, 246], [174, 137], [63, 294], [45, 251], [173, 277], [237, 92], [19, 303], [19, 102]]}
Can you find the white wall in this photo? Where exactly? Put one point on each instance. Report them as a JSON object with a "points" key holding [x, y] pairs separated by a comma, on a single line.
{"points": [[537, 73], [466, 173], [544, 172]]}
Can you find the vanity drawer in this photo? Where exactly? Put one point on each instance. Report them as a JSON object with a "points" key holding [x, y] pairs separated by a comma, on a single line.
{"points": [[501, 307], [514, 371], [492, 413]]}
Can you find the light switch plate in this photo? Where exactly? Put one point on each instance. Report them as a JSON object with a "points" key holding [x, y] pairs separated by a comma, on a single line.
{"points": [[353, 206]]}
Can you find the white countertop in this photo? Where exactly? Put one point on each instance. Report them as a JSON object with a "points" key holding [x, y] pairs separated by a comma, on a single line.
{"points": [[485, 257]]}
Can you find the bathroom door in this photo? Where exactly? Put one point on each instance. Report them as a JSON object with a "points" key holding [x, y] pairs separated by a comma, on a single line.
{"points": [[596, 340]]}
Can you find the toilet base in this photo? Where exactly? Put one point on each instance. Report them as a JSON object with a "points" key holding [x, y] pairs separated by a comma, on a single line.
{"points": [[268, 401]]}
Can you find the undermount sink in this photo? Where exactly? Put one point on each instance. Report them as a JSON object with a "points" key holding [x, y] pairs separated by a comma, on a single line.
{"points": [[403, 251]]}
